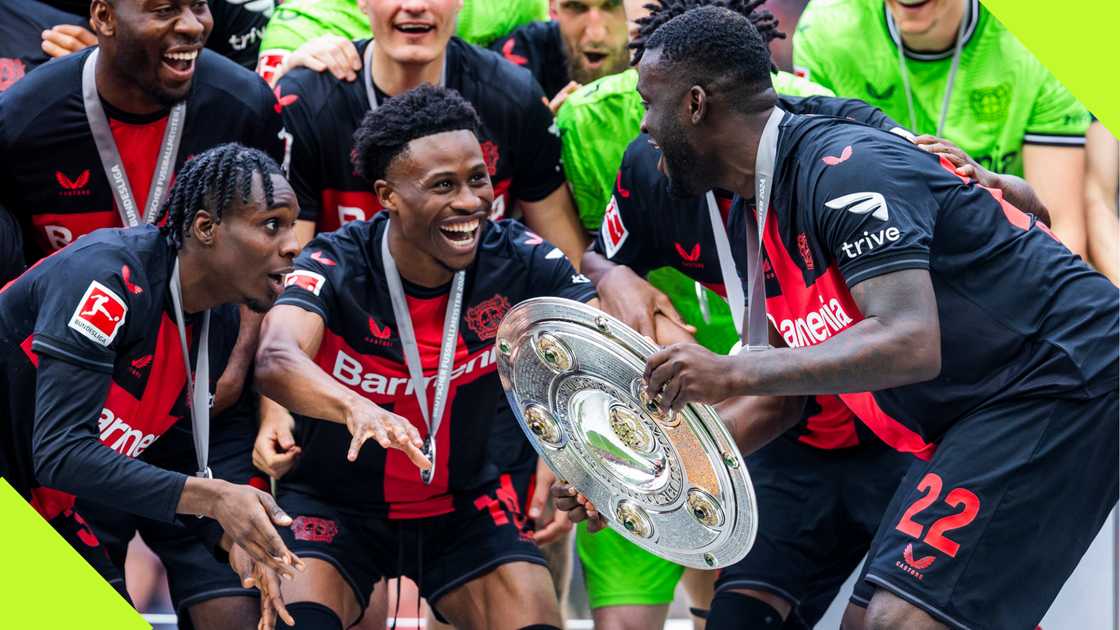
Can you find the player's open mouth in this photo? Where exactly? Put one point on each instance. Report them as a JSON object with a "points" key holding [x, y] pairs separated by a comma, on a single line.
{"points": [[180, 63], [414, 28], [276, 280], [913, 4], [594, 58], [461, 234]]}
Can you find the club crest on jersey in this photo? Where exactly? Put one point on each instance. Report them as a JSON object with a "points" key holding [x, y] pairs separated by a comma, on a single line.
{"points": [[483, 318], [314, 529], [613, 231], [11, 70], [490, 156], [872, 203], [100, 314], [306, 280], [803, 248]]}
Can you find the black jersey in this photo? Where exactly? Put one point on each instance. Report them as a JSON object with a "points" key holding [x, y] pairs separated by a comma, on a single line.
{"points": [[321, 113], [339, 276], [646, 228], [93, 374], [51, 177], [1020, 315], [238, 29], [22, 23], [538, 47]]}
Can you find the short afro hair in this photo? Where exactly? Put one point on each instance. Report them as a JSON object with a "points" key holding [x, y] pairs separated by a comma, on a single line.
{"points": [[665, 10], [719, 49], [420, 112]]}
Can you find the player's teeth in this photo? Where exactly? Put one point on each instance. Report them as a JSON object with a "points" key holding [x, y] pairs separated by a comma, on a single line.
{"points": [[185, 56], [461, 227]]}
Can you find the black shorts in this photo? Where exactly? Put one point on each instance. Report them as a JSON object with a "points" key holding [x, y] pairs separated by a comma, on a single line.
{"points": [[76, 531], [817, 513], [439, 553], [985, 533], [194, 575]]}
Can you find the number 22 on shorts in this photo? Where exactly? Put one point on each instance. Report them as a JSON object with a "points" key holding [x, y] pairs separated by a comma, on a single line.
{"points": [[958, 497]]}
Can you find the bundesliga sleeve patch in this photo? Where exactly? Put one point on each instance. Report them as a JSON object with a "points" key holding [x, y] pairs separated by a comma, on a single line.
{"points": [[306, 280], [100, 314], [614, 232]]}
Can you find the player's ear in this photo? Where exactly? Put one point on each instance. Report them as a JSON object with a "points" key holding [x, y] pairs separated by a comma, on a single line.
{"points": [[102, 18], [385, 194], [697, 104], [203, 227]]}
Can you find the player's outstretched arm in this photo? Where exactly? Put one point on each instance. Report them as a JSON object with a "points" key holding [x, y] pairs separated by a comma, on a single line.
{"points": [[898, 343], [286, 373], [1054, 172], [630, 297]]}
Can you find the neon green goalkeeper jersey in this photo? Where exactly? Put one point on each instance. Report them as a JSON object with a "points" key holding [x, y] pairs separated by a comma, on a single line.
{"points": [[480, 22], [1001, 97]]}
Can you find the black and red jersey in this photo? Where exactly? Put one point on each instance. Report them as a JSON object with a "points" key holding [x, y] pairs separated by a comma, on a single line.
{"points": [[321, 113], [51, 177], [539, 48], [1020, 316], [340, 277], [646, 228], [93, 374]]}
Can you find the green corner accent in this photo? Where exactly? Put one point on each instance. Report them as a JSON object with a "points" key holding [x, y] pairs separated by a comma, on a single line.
{"points": [[1077, 42], [45, 584]]}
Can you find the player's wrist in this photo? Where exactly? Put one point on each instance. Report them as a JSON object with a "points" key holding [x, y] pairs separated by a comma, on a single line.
{"points": [[201, 496]]}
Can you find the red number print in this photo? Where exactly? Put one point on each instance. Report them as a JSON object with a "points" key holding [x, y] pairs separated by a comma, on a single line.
{"points": [[906, 525], [957, 497]]}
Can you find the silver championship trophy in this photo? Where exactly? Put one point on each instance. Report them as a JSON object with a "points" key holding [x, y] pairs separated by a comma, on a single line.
{"points": [[674, 484]]}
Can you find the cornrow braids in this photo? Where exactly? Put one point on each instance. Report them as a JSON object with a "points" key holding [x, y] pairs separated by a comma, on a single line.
{"points": [[210, 180], [422, 111], [762, 19]]}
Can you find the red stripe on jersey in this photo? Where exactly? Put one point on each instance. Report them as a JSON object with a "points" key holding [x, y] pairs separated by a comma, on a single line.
{"points": [[139, 148], [385, 381], [52, 232], [809, 315], [1015, 216], [344, 206], [831, 428]]}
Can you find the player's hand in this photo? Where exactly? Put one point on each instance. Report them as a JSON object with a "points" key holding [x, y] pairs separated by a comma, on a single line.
{"points": [[267, 581], [562, 96], [326, 53], [275, 450], [64, 39], [560, 524], [366, 420], [686, 372], [249, 517], [964, 164], [635, 301], [567, 499]]}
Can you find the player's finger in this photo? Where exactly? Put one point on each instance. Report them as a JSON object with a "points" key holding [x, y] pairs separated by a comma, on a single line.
{"points": [[666, 308], [560, 525], [658, 378], [538, 500], [351, 53], [342, 63], [307, 61], [596, 524], [261, 555], [276, 599], [356, 444], [52, 49], [656, 360], [63, 40], [84, 35], [674, 393], [416, 456], [275, 513], [285, 440]]}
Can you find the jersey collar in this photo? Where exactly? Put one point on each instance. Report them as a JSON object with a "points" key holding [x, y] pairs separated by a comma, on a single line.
{"points": [[973, 17]]}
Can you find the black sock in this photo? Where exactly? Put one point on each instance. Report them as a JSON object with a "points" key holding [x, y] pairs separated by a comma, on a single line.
{"points": [[735, 610], [311, 616]]}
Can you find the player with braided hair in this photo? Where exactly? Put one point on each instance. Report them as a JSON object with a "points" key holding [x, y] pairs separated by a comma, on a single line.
{"points": [[95, 372]]}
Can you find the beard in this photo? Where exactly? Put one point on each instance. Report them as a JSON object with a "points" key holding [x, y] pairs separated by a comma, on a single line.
{"points": [[578, 73], [684, 166]]}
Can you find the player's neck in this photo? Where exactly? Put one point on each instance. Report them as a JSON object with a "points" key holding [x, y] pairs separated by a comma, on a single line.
{"points": [[394, 78], [121, 92], [415, 265], [200, 290], [942, 35], [739, 145]]}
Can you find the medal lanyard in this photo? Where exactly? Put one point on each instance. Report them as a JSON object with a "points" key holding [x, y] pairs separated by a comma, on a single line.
{"points": [[755, 335], [367, 76], [198, 385], [432, 416], [111, 157], [957, 47]]}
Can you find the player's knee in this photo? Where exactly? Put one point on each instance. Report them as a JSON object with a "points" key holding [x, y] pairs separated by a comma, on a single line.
{"points": [[854, 618], [311, 616], [226, 613], [737, 609], [889, 612]]}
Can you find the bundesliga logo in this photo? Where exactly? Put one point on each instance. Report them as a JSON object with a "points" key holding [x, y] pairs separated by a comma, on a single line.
{"points": [[100, 314]]}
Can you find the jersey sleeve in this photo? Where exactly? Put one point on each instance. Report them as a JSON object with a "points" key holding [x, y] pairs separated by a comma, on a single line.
{"points": [[238, 28], [68, 455], [319, 272], [537, 173], [302, 156], [85, 308], [11, 248], [550, 272], [874, 211], [1057, 118], [625, 236]]}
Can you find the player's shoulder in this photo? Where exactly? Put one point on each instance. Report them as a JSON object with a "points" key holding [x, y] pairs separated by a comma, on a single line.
{"points": [[536, 34], [613, 90], [496, 79], [824, 150], [132, 256], [347, 248], [310, 90], [789, 84], [221, 82], [639, 163], [33, 103]]}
